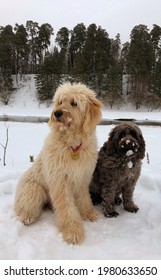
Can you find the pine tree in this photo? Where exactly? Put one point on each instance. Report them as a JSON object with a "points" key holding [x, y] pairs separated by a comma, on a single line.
{"points": [[76, 44], [139, 62], [156, 59], [102, 60], [49, 76], [115, 71], [6, 86], [43, 41], [32, 29], [21, 50], [7, 48], [62, 39]]}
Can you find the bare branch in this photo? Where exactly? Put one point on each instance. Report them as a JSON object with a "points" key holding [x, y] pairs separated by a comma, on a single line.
{"points": [[5, 145], [2, 145]]}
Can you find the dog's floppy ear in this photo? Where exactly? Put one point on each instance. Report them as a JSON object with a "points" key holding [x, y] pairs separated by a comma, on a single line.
{"points": [[141, 152], [93, 113], [111, 143], [142, 146]]}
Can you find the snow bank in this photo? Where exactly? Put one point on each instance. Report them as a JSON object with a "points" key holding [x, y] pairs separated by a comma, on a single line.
{"points": [[129, 236]]}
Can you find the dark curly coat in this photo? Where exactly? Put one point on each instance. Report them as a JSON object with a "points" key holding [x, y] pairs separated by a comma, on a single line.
{"points": [[118, 169]]}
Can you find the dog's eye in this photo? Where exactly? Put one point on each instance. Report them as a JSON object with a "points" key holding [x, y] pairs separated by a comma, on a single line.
{"points": [[133, 133], [60, 103], [121, 135], [73, 103]]}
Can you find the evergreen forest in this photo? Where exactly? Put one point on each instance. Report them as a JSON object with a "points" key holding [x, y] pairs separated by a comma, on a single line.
{"points": [[118, 72]]}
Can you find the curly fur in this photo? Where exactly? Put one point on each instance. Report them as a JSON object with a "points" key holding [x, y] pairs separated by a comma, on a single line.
{"points": [[118, 169], [63, 170]]}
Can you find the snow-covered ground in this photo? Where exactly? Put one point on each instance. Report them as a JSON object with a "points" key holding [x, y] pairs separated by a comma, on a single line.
{"points": [[129, 236]]}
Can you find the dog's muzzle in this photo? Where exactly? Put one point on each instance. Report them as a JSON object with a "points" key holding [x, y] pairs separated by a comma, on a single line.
{"points": [[129, 145], [63, 117], [58, 114]]}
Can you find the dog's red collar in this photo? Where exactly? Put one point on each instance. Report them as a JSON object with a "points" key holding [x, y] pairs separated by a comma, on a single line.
{"points": [[75, 151], [77, 148]]}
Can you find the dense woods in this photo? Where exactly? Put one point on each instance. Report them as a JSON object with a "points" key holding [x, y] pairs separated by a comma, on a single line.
{"points": [[129, 72]]}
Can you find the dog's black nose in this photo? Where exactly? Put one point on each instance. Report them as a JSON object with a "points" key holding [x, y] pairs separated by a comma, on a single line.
{"points": [[58, 114]]}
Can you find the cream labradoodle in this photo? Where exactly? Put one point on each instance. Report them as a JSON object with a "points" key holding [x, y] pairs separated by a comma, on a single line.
{"points": [[63, 170]]}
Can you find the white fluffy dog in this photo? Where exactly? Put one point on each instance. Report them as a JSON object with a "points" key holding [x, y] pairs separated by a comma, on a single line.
{"points": [[63, 170]]}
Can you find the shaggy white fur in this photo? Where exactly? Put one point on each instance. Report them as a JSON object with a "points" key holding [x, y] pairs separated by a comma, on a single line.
{"points": [[63, 170]]}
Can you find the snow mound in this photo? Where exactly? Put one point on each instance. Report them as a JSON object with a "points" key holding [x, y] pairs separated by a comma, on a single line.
{"points": [[129, 236]]}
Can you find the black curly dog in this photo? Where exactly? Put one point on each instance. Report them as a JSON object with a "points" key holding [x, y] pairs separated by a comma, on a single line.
{"points": [[118, 169]]}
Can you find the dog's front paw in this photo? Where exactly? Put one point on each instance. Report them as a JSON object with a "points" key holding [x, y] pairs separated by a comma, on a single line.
{"points": [[131, 207], [73, 233], [90, 215], [111, 214], [26, 218]]}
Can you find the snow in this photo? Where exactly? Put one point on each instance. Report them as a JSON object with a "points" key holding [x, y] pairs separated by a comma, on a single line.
{"points": [[129, 236], [130, 164], [19, 105], [129, 153]]}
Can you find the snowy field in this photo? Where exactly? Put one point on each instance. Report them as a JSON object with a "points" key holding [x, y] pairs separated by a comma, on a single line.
{"points": [[129, 236]]}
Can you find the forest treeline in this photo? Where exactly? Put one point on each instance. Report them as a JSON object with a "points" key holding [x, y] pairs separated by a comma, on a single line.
{"points": [[118, 72]]}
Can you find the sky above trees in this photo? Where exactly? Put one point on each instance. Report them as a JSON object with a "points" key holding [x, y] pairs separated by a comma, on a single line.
{"points": [[116, 16]]}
